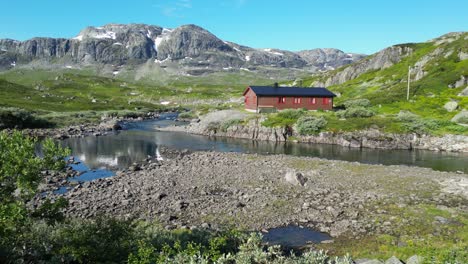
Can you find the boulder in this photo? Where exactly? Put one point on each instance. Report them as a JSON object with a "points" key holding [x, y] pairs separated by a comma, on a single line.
{"points": [[368, 261], [451, 106], [462, 55], [415, 260], [461, 82], [461, 117], [295, 178], [393, 260], [464, 92]]}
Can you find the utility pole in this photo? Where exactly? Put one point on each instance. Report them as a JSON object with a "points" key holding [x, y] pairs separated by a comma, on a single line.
{"points": [[409, 80]]}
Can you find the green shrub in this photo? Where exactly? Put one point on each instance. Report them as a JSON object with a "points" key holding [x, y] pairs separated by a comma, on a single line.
{"points": [[353, 112], [308, 125], [19, 118], [421, 126], [284, 118], [407, 116], [357, 103]]}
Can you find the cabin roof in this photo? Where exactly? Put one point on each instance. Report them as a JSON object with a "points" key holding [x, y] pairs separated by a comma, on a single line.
{"points": [[290, 91]]}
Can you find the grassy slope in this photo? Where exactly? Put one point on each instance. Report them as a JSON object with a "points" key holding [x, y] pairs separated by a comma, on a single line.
{"points": [[386, 88], [60, 93]]}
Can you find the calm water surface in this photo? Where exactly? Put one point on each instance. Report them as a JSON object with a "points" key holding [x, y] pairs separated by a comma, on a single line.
{"points": [[141, 139]]}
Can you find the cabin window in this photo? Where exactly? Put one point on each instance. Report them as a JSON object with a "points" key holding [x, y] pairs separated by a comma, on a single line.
{"points": [[281, 100], [313, 100], [297, 100], [326, 101]]}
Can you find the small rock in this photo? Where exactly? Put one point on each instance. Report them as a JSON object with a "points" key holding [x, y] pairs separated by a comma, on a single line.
{"points": [[295, 178], [415, 260], [393, 260], [451, 106], [441, 220], [161, 196], [367, 261]]}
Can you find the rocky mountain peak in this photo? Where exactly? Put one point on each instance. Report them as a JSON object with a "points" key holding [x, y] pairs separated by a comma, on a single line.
{"points": [[187, 46]]}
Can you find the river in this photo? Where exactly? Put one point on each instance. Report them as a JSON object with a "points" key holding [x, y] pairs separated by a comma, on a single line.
{"points": [[139, 140]]}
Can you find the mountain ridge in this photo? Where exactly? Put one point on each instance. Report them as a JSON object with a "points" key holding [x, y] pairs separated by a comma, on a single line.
{"points": [[190, 46]]}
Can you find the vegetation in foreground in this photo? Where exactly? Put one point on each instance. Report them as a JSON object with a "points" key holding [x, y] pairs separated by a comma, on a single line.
{"points": [[43, 234]]}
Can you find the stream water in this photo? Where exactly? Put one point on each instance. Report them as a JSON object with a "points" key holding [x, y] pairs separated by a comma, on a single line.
{"points": [[141, 139]]}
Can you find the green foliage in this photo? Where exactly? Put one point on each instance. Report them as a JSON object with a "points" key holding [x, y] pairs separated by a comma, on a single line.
{"points": [[357, 103], [97, 241], [355, 112], [283, 118], [20, 169], [226, 124], [50, 211], [407, 116], [19, 118], [308, 125]]}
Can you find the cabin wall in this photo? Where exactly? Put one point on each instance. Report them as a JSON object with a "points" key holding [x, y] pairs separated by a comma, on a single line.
{"points": [[250, 100], [305, 102]]}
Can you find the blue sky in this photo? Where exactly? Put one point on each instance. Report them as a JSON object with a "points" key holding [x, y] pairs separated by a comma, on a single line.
{"points": [[362, 26]]}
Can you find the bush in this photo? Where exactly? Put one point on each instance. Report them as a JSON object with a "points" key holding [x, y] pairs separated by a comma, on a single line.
{"points": [[407, 116], [19, 118], [421, 126], [357, 103], [308, 125], [355, 112], [284, 118]]}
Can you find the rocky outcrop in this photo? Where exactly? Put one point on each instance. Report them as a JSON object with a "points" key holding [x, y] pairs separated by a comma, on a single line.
{"points": [[371, 138], [464, 92], [329, 59], [461, 82], [461, 117], [378, 61], [187, 46]]}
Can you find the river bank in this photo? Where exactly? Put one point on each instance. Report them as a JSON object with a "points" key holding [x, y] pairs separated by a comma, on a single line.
{"points": [[211, 125], [255, 192]]}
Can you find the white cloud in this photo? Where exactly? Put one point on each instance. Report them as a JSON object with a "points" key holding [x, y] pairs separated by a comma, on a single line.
{"points": [[174, 8]]}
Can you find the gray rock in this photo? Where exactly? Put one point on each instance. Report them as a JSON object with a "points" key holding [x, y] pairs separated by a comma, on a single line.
{"points": [[191, 47], [415, 260], [381, 60], [441, 219], [327, 59], [461, 82], [464, 92], [461, 117], [368, 261], [295, 178], [393, 260], [463, 55], [451, 106]]}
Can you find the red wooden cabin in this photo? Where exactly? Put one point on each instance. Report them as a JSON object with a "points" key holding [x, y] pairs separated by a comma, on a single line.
{"points": [[258, 98]]}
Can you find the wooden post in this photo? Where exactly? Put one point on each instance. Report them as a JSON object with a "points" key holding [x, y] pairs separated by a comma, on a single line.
{"points": [[409, 80]]}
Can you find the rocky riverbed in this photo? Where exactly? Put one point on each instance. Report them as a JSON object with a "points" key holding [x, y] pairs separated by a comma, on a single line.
{"points": [[255, 192]]}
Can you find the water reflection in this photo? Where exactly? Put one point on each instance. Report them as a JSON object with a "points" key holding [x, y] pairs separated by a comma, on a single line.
{"points": [[142, 140]]}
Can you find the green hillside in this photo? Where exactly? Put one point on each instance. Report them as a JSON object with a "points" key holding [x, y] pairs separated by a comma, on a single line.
{"points": [[387, 88]]}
